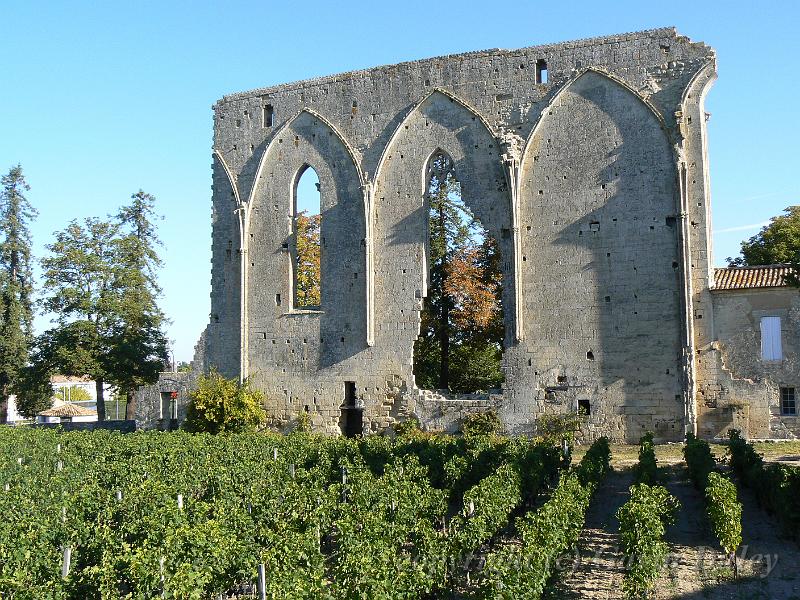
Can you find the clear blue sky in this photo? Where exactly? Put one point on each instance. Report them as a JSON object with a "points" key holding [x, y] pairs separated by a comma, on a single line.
{"points": [[99, 99]]}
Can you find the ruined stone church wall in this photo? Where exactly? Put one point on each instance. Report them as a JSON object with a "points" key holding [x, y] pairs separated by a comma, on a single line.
{"points": [[593, 182]]}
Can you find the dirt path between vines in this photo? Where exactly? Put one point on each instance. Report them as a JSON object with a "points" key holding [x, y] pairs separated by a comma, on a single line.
{"points": [[597, 570], [769, 566]]}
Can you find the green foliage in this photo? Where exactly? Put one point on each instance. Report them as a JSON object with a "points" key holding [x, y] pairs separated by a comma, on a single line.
{"points": [[16, 283], [647, 468], [725, 512], [138, 346], [308, 276], [34, 390], [554, 427], [303, 423], [407, 426], [642, 521], [722, 504], [224, 405], [515, 571], [100, 281], [699, 460], [329, 517], [776, 243], [72, 393], [776, 486], [482, 424], [487, 507]]}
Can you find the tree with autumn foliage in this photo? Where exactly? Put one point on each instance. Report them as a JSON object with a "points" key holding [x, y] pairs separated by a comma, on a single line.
{"points": [[307, 266], [461, 334]]}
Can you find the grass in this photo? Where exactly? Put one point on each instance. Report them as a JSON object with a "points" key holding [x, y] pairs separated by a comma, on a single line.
{"points": [[623, 455]]}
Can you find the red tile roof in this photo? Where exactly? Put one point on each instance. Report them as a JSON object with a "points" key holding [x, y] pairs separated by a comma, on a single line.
{"points": [[744, 278]]}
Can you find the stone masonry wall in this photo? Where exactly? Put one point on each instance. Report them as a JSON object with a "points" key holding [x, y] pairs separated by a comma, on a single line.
{"points": [[593, 182]]}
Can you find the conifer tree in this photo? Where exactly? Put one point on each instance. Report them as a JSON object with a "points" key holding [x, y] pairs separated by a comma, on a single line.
{"points": [[16, 284], [138, 344]]}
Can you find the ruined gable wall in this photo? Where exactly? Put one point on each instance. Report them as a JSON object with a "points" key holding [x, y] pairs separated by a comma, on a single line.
{"points": [[380, 127]]}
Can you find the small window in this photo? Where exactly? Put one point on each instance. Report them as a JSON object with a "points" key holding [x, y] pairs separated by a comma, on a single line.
{"points": [[771, 349], [584, 407], [269, 115], [788, 401], [350, 393], [541, 71]]}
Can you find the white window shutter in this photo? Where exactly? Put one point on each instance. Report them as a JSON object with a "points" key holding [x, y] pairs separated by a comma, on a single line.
{"points": [[771, 339]]}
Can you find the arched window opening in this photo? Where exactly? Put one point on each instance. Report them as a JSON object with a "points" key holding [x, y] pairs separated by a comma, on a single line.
{"points": [[306, 230], [460, 346]]}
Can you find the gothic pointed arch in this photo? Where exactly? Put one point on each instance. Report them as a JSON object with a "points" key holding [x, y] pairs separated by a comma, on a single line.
{"points": [[308, 141], [598, 206], [439, 123]]}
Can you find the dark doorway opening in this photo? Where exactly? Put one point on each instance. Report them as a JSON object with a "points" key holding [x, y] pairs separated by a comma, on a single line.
{"points": [[352, 419]]}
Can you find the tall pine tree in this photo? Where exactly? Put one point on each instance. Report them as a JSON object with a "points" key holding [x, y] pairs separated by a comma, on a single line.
{"points": [[16, 284]]}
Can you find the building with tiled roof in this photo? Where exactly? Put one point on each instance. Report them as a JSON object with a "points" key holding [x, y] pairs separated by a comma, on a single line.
{"points": [[762, 276]]}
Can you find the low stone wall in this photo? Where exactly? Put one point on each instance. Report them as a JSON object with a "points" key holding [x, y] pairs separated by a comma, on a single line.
{"points": [[127, 426], [150, 413], [439, 412]]}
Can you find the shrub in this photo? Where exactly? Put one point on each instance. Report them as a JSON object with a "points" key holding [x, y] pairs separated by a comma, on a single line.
{"points": [[406, 427], [556, 427], [647, 469], [699, 460], [642, 521], [303, 423], [482, 424], [722, 505], [777, 487], [725, 512], [224, 405]]}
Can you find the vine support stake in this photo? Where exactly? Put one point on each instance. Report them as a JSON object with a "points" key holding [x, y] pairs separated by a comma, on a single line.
{"points": [[291, 470], [274, 454], [66, 562], [118, 495], [180, 501], [262, 582], [161, 575]]}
